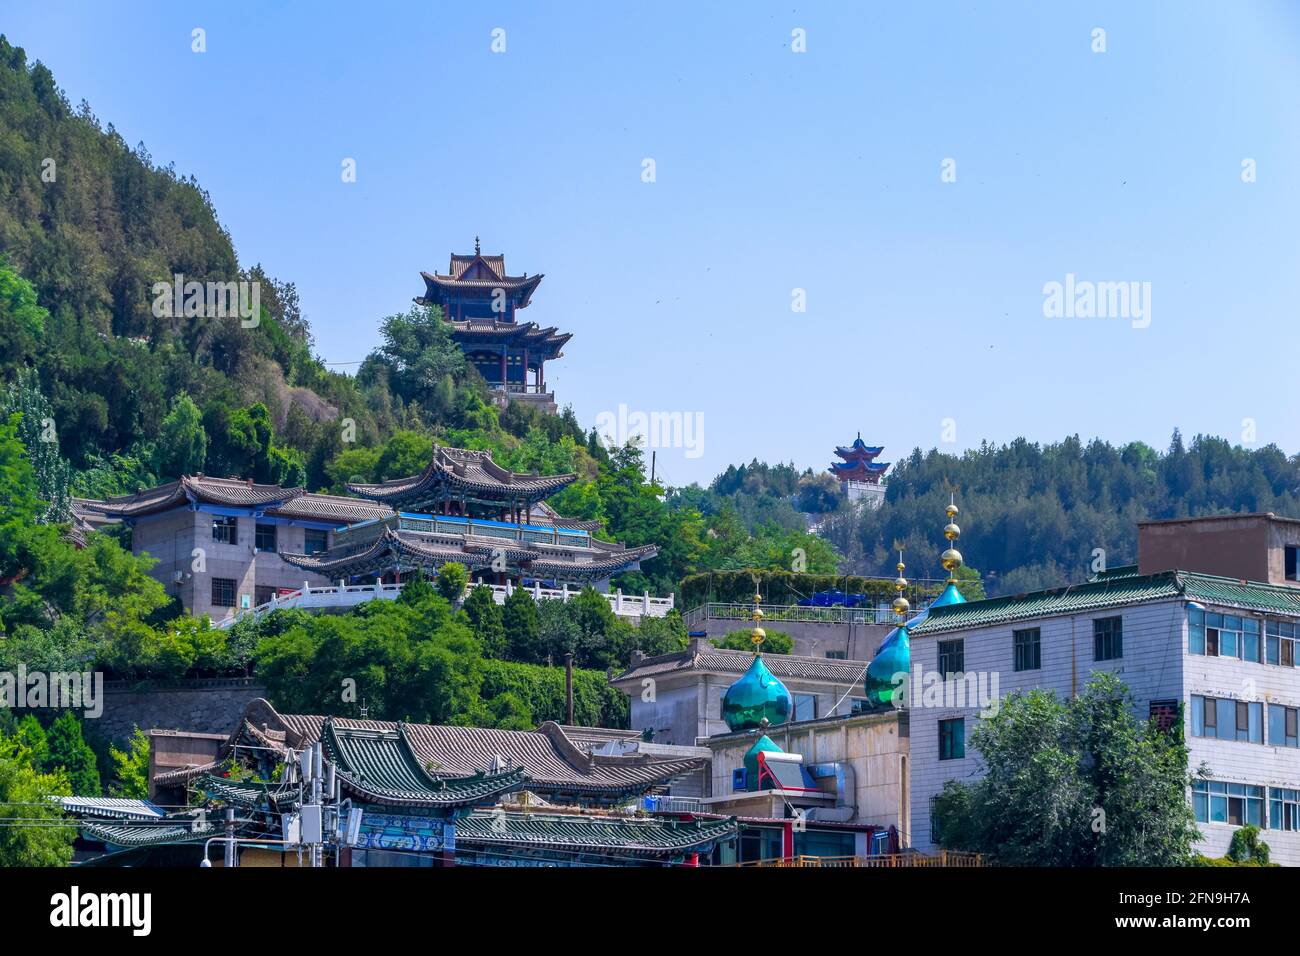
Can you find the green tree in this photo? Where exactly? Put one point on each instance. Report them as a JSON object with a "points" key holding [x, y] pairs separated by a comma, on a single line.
{"points": [[522, 627], [131, 768], [452, 578], [485, 619], [25, 793], [37, 432], [182, 443], [70, 754], [1075, 783], [778, 642]]}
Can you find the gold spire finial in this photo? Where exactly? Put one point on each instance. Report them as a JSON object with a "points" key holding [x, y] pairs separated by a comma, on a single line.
{"points": [[757, 635], [951, 559], [901, 604]]}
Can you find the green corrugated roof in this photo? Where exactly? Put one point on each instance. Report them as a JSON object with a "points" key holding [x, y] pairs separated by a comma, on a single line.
{"points": [[380, 765], [644, 835], [1116, 588], [138, 834], [245, 793]]}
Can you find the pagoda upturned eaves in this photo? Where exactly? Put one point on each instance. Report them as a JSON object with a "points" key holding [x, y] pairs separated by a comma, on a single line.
{"points": [[859, 463]]}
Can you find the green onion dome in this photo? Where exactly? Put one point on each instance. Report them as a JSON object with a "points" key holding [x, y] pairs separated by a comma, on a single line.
{"points": [[756, 697], [894, 657], [764, 744]]}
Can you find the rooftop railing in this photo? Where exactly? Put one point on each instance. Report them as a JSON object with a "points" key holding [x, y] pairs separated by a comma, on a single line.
{"points": [[796, 613], [336, 596]]}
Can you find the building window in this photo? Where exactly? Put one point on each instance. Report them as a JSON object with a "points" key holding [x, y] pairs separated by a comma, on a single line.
{"points": [[1282, 726], [1283, 809], [1107, 638], [1214, 801], [225, 530], [1290, 554], [264, 537], [223, 592], [1028, 649], [952, 739], [1164, 713], [1280, 642], [1223, 635], [263, 593], [859, 705], [836, 656], [805, 706], [314, 540], [952, 657], [1226, 719]]}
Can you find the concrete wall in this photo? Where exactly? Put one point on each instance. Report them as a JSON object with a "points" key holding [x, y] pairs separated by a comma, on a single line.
{"points": [[173, 536], [205, 706], [875, 745], [1155, 667], [688, 706], [1232, 547], [857, 642]]}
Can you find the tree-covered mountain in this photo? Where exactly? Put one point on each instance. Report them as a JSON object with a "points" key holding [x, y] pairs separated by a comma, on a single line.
{"points": [[134, 396], [1032, 515]]}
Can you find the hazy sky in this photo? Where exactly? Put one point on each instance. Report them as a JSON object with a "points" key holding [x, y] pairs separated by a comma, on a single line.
{"points": [[774, 171]]}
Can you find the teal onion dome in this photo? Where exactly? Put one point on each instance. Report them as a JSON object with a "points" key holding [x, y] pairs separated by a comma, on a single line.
{"points": [[764, 744], [894, 657], [756, 697]]}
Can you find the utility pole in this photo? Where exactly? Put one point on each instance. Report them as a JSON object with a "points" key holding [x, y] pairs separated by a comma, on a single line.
{"points": [[231, 857]]}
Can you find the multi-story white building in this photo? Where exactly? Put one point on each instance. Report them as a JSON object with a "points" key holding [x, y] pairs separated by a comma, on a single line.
{"points": [[1203, 630]]}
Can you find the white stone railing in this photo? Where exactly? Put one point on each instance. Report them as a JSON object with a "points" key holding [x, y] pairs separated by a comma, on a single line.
{"points": [[332, 597]]}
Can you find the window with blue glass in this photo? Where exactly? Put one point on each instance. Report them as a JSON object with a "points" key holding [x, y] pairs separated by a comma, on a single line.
{"points": [[1282, 726], [1283, 809], [952, 739], [1223, 635], [1280, 639], [1237, 804], [1225, 719]]}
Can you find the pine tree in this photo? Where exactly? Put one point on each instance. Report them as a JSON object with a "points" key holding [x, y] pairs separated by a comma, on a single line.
{"points": [[70, 753], [37, 432]]}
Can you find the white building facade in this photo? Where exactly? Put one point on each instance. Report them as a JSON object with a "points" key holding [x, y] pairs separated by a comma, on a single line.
{"points": [[1217, 654]]}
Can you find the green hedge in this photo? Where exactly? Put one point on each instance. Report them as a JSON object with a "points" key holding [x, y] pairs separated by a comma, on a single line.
{"points": [[595, 702], [787, 587]]}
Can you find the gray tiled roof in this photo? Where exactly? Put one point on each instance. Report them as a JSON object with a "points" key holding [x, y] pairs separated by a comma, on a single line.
{"points": [[718, 660], [468, 469]]}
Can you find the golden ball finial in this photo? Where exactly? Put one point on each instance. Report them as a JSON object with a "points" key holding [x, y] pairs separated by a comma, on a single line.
{"points": [[951, 510], [951, 560], [901, 605], [951, 531], [758, 636]]}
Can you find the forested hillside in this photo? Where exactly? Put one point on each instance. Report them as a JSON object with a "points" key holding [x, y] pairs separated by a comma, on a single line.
{"points": [[1032, 515], [89, 224]]}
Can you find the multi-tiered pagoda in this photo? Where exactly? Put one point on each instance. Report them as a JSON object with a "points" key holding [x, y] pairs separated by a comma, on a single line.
{"points": [[859, 474], [480, 301]]}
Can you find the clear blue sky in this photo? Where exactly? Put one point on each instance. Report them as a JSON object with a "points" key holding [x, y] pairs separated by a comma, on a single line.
{"points": [[775, 171]]}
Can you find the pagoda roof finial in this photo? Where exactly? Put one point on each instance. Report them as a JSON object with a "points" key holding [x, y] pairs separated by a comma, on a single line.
{"points": [[476, 248]]}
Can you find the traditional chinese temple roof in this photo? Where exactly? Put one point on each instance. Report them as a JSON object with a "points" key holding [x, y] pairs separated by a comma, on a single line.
{"points": [[394, 763], [238, 493], [636, 836], [395, 548], [457, 471], [381, 766], [474, 272], [859, 462]]}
